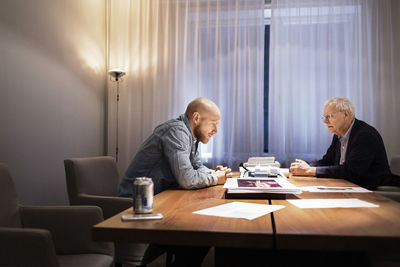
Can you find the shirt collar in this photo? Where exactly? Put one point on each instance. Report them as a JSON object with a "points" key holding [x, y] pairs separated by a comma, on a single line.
{"points": [[186, 121], [346, 136]]}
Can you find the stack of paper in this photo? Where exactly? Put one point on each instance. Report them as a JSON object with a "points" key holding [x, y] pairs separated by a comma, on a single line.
{"points": [[261, 185], [261, 161], [254, 161]]}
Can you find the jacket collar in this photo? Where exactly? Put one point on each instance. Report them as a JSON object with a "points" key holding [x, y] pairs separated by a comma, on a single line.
{"points": [[183, 118]]}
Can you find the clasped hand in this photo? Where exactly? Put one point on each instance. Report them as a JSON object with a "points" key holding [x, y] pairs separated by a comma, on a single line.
{"points": [[222, 173], [300, 167]]}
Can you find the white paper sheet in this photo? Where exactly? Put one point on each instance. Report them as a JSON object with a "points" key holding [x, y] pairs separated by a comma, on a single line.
{"points": [[334, 189], [331, 203], [242, 210]]}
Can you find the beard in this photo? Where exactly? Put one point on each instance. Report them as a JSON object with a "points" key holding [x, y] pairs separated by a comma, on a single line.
{"points": [[199, 135]]}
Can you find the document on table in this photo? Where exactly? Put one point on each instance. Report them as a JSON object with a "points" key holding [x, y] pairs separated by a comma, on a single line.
{"points": [[261, 185], [334, 189], [331, 203], [242, 210]]}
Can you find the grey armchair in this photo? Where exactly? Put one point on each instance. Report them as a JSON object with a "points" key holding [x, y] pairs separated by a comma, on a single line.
{"points": [[95, 181], [395, 165], [391, 191], [48, 235]]}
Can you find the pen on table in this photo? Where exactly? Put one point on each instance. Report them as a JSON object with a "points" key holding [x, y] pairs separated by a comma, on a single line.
{"points": [[242, 165], [335, 188]]}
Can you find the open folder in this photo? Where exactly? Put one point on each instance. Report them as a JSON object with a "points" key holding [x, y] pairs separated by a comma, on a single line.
{"points": [[259, 187]]}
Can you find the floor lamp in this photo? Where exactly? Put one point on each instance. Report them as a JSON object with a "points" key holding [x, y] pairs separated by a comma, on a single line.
{"points": [[115, 75]]}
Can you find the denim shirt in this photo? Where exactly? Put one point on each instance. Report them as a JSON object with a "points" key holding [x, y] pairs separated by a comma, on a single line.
{"points": [[170, 157]]}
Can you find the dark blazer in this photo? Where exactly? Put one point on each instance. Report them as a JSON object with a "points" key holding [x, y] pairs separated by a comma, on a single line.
{"points": [[366, 162]]}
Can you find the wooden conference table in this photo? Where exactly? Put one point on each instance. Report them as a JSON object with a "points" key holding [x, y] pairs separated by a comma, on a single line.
{"points": [[290, 228]]}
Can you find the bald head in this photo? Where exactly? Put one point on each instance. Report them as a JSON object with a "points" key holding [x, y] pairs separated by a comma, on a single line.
{"points": [[203, 116], [203, 106]]}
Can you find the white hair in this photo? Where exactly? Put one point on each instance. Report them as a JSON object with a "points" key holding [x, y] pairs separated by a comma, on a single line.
{"points": [[342, 104]]}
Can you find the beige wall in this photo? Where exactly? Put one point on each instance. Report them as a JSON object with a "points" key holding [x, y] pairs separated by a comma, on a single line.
{"points": [[52, 91]]}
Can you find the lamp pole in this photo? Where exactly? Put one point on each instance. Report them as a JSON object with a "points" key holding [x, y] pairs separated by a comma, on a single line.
{"points": [[116, 74], [116, 130]]}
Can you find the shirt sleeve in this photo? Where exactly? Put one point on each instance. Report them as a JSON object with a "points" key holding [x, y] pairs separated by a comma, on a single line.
{"points": [[329, 158], [176, 144], [198, 164]]}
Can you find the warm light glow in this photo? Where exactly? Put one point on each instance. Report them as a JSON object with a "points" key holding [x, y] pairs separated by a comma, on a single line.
{"points": [[140, 52], [85, 36], [90, 54]]}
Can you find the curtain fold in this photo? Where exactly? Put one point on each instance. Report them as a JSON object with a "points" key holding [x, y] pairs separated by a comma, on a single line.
{"points": [[176, 50], [322, 49]]}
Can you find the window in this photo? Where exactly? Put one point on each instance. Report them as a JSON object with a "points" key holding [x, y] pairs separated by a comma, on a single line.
{"points": [[267, 17]]}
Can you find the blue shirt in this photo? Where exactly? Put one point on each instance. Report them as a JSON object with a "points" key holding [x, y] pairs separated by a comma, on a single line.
{"points": [[170, 157], [344, 140]]}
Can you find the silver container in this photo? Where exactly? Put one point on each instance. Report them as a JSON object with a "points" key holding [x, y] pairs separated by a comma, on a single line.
{"points": [[143, 191]]}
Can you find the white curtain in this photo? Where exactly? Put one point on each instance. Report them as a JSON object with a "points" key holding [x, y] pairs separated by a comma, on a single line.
{"points": [[176, 50], [322, 49]]}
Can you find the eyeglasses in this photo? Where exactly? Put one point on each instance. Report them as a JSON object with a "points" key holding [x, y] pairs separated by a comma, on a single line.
{"points": [[327, 117]]}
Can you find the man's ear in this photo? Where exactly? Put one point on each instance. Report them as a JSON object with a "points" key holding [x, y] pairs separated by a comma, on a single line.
{"points": [[347, 113], [196, 117]]}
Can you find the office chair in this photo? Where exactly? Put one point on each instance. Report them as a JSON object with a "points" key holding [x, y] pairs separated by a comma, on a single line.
{"points": [[395, 165], [392, 192], [48, 235], [95, 181]]}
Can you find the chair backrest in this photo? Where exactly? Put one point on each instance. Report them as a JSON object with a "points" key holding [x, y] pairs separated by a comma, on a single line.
{"points": [[9, 206], [395, 165], [91, 175]]}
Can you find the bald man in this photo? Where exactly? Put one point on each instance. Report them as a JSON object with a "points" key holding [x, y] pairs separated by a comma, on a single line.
{"points": [[170, 155]]}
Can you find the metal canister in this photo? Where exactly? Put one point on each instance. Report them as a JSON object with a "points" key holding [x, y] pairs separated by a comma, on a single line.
{"points": [[143, 191]]}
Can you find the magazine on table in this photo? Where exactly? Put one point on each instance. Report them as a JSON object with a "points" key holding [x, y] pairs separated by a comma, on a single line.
{"points": [[260, 185]]}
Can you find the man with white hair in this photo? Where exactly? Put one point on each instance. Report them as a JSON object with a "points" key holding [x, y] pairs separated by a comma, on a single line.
{"points": [[357, 152]]}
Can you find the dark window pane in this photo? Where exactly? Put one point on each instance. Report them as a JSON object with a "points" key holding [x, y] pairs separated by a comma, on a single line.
{"points": [[266, 86]]}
